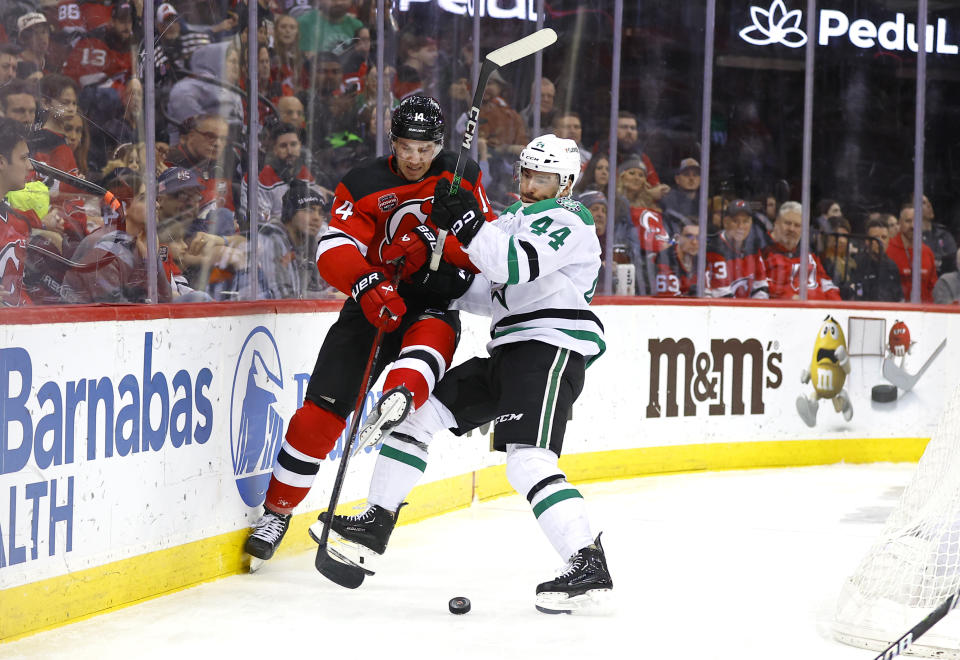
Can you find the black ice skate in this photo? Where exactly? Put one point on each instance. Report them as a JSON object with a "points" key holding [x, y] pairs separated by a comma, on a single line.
{"points": [[267, 534], [392, 408], [583, 586], [359, 539]]}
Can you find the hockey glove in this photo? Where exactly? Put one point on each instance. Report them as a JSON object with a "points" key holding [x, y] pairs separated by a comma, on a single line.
{"points": [[413, 248], [447, 281], [459, 214], [379, 300]]}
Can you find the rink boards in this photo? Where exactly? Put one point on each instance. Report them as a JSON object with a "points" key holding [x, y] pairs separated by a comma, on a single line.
{"points": [[137, 443]]}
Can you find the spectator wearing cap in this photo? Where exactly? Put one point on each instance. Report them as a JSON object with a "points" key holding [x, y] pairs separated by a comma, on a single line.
{"points": [[782, 260], [112, 64], [210, 258], [284, 164], [735, 268], [677, 265], [18, 101], [9, 57], [33, 35], [683, 201], [286, 249], [327, 28], [947, 289], [115, 267]]}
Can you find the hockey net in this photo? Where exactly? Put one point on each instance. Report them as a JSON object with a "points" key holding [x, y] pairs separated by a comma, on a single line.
{"points": [[915, 564]]}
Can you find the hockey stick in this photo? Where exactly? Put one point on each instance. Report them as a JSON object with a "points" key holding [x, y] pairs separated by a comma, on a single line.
{"points": [[80, 184], [899, 376], [512, 52], [912, 635], [339, 572]]}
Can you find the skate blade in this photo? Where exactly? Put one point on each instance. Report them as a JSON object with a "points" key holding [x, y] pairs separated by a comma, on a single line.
{"points": [[390, 415], [255, 564], [344, 551], [596, 602]]}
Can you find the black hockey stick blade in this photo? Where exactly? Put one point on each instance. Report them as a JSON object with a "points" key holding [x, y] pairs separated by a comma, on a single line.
{"points": [[912, 635], [75, 181], [336, 571]]}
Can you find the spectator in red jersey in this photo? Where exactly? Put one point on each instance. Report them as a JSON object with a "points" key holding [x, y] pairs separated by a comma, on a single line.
{"points": [[18, 101], [782, 259], [900, 249], [102, 57], [284, 164], [289, 58], [14, 231], [677, 265], [735, 269], [202, 149], [643, 198], [9, 56], [58, 98], [77, 136], [33, 34]]}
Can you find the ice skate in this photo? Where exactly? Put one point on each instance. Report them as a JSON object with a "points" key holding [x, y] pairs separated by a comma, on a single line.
{"points": [[807, 409], [359, 540], [392, 408], [584, 586], [267, 533]]}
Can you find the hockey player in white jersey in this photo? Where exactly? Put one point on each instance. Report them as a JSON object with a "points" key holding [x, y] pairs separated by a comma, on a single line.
{"points": [[539, 263]]}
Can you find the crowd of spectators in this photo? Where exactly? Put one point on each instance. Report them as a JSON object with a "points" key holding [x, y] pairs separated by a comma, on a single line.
{"points": [[72, 76]]}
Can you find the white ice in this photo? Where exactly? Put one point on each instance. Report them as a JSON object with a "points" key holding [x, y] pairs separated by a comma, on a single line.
{"points": [[729, 565]]}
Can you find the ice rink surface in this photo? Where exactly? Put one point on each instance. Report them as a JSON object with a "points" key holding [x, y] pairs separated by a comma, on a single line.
{"points": [[728, 565]]}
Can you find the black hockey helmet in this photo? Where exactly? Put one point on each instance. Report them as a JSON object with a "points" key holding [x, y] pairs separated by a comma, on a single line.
{"points": [[417, 117]]}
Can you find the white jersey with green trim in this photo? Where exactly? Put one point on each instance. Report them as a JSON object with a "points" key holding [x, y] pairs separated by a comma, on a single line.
{"points": [[538, 272]]}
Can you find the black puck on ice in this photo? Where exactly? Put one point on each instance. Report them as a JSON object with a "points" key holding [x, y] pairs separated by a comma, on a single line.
{"points": [[459, 605], [884, 393]]}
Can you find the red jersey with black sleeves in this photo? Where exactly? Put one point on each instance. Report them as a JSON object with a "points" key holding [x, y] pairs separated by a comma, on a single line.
{"points": [[14, 235], [672, 278], [51, 148], [375, 205], [734, 272], [783, 274], [99, 57]]}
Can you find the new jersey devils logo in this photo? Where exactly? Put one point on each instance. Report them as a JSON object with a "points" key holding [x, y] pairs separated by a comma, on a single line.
{"points": [[408, 215]]}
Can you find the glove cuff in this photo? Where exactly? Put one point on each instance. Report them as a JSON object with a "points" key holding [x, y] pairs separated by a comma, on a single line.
{"points": [[365, 283]]}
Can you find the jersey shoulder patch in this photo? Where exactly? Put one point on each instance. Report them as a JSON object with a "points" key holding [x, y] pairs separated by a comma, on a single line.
{"points": [[561, 207]]}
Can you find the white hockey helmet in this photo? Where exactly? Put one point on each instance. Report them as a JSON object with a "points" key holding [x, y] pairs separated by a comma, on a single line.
{"points": [[549, 153]]}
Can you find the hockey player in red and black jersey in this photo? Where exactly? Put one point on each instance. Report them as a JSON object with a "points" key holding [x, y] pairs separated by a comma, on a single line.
{"points": [[735, 268], [378, 204], [14, 231], [782, 260]]}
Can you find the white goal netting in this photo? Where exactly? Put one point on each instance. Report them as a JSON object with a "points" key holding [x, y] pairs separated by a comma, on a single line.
{"points": [[915, 564]]}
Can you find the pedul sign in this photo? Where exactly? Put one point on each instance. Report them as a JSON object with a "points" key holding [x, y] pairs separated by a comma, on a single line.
{"points": [[777, 25], [501, 9]]}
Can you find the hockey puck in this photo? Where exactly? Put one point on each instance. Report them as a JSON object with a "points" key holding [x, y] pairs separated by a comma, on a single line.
{"points": [[883, 393], [459, 605]]}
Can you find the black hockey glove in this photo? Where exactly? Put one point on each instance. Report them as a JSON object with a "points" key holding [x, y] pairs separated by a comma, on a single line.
{"points": [[459, 214], [447, 281]]}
